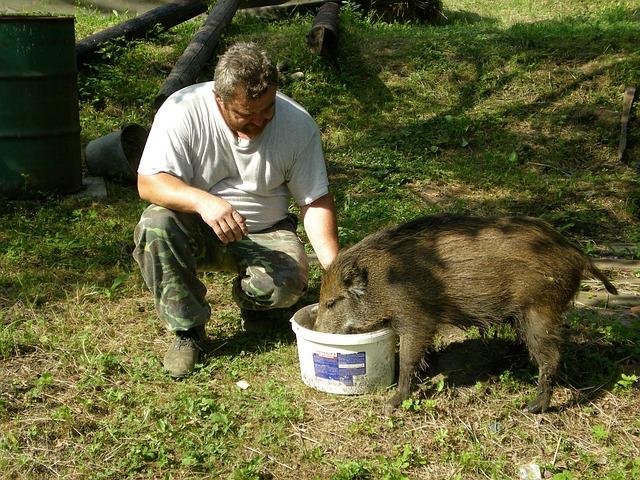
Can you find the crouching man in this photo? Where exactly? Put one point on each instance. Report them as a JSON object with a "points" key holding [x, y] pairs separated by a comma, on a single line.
{"points": [[222, 160]]}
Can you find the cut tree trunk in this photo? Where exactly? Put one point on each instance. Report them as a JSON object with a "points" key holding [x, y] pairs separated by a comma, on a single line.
{"points": [[323, 37]]}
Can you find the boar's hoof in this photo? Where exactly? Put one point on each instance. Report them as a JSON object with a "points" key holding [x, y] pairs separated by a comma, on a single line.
{"points": [[393, 403], [389, 409], [539, 405]]}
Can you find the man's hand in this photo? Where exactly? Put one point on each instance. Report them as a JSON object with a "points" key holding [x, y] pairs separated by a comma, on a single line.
{"points": [[171, 192], [226, 222]]}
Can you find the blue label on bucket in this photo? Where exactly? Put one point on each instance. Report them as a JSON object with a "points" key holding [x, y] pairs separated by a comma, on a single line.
{"points": [[341, 367]]}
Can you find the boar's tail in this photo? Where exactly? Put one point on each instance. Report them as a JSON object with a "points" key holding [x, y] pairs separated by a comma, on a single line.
{"points": [[594, 271]]}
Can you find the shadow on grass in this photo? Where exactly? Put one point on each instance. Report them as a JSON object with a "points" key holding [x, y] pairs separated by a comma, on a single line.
{"points": [[590, 364], [52, 248], [360, 76], [550, 136], [244, 342], [464, 17], [277, 333]]}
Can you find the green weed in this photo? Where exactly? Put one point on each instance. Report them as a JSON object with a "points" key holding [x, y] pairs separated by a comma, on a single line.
{"points": [[626, 382], [417, 405], [352, 470], [600, 432]]}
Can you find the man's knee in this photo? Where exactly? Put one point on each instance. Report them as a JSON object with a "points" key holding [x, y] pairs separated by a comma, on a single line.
{"points": [[157, 220], [162, 226], [260, 290], [162, 237]]}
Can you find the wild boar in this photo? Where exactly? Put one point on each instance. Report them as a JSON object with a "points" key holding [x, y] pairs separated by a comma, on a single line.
{"points": [[459, 270]]}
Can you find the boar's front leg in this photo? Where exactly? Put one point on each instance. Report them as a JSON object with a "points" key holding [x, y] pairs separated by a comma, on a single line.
{"points": [[412, 348]]}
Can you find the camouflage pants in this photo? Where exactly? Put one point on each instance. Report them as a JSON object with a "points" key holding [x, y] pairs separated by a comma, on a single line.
{"points": [[171, 247]]}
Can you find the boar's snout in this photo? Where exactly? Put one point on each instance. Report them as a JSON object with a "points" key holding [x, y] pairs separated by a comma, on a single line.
{"points": [[329, 323], [342, 305]]}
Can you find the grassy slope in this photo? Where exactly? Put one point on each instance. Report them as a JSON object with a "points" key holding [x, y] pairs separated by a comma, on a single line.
{"points": [[504, 108]]}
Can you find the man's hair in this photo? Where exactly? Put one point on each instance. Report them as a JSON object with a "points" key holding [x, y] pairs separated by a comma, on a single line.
{"points": [[247, 66]]}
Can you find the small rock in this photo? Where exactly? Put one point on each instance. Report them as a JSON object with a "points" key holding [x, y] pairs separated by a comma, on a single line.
{"points": [[530, 472], [242, 384]]}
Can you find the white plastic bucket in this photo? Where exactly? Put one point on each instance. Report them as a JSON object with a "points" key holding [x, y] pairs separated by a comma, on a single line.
{"points": [[343, 364]]}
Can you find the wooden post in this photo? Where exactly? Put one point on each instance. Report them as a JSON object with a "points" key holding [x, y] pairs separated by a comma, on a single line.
{"points": [[624, 119], [167, 15], [199, 51]]}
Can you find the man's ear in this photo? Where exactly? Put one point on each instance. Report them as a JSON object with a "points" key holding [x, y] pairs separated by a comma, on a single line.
{"points": [[355, 278], [218, 98]]}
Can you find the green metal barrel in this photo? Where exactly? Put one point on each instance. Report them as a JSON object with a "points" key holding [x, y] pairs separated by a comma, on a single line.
{"points": [[39, 119]]}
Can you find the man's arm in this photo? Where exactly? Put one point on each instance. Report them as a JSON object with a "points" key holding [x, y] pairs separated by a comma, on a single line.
{"points": [[172, 193], [319, 218]]}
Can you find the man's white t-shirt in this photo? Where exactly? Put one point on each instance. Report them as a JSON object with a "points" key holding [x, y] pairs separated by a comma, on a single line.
{"points": [[190, 140]]}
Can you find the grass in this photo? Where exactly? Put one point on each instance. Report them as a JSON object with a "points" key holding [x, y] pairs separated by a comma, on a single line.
{"points": [[507, 107]]}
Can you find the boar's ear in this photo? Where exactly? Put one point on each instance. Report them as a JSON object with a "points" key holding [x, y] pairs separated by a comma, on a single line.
{"points": [[355, 278]]}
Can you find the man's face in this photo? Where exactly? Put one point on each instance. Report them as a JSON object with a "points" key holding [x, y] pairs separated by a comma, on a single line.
{"points": [[247, 117]]}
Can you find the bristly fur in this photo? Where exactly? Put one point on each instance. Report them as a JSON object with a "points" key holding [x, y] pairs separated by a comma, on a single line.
{"points": [[463, 271]]}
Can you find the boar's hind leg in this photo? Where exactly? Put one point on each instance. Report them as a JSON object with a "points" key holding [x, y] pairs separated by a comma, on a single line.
{"points": [[540, 334], [412, 349]]}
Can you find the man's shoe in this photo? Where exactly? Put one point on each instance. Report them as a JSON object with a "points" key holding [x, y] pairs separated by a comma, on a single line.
{"points": [[263, 321], [182, 356]]}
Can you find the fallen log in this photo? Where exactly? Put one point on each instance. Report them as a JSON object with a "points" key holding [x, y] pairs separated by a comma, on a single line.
{"points": [[285, 9], [199, 51], [260, 3], [606, 300], [167, 16], [617, 264]]}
